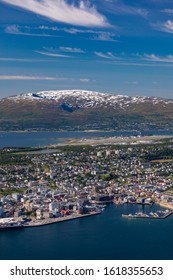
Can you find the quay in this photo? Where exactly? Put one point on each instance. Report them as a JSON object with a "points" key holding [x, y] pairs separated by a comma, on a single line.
{"points": [[145, 216], [49, 221], [166, 205]]}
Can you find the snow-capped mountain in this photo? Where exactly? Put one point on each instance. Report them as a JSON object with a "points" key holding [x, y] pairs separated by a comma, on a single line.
{"points": [[86, 99], [80, 109]]}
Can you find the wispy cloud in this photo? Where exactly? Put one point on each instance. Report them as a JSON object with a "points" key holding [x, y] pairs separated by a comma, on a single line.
{"points": [[137, 59], [16, 29], [124, 9], [167, 11], [42, 78], [93, 34], [71, 50], [105, 36], [119, 8], [84, 80], [7, 77], [23, 59], [107, 55], [83, 14], [166, 26], [52, 54], [52, 28], [155, 58]]}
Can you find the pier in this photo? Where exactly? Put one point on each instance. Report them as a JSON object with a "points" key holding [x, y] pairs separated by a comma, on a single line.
{"points": [[146, 216], [58, 220]]}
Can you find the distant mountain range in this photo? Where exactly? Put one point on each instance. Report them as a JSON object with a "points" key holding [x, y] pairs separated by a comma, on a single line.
{"points": [[79, 109]]}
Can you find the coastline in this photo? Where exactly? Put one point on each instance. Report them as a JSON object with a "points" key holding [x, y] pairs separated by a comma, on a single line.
{"points": [[112, 140], [61, 219], [166, 205]]}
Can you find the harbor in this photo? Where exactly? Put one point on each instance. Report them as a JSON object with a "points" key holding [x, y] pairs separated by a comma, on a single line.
{"points": [[11, 223], [156, 215], [93, 237], [35, 223]]}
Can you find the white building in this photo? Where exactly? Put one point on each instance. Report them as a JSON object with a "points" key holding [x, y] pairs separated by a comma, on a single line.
{"points": [[53, 206]]}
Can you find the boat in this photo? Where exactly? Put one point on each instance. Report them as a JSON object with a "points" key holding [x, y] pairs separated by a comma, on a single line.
{"points": [[10, 223], [127, 216], [10, 226]]}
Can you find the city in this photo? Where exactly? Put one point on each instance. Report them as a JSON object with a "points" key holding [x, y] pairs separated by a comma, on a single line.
{"points": [[47, 186]]}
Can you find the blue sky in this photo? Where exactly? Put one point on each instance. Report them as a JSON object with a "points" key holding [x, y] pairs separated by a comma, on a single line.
{"points": [[116, 46]]}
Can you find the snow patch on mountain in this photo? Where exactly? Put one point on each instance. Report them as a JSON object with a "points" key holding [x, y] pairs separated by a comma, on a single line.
{"points": [[86, 99]]}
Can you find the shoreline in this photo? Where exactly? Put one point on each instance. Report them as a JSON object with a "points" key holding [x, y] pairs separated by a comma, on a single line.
{"points": [[85, 130], [111, 140], [88, 130], [49, 221], [166, 205], [58, 220]]}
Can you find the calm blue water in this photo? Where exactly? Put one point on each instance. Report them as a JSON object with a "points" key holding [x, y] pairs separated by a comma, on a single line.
{"points": [[35, 139], [106, 236]]}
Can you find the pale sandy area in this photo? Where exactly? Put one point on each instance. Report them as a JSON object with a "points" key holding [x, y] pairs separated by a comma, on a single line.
{"points": [[133, 140]]}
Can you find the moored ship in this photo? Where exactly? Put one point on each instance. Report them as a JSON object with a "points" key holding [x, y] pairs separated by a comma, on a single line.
{"points": [[10, 223]]}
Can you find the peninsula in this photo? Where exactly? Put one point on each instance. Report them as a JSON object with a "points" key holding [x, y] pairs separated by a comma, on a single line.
{"points": [[75, 181]]}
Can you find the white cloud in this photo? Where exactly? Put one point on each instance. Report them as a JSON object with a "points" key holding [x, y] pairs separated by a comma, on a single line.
{"points": [[132, 11], [119, 8], [167, 11], [166, 26], [22, 59], [105, 36], [61, 11], [67, 30], [7, 77], [107, 55], [84, 80], [155, 58], [53, 28], [94, 34], [15, 29], [12, 29], [71, 50], [145, 60], [51, 54], [75, 30]]}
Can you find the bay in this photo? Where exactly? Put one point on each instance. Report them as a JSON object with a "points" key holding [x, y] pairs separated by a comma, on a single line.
{"points": [[39, 139], [106, 236]]}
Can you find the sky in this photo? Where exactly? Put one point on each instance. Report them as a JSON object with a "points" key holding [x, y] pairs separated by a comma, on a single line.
{"points": [[114, 46]]}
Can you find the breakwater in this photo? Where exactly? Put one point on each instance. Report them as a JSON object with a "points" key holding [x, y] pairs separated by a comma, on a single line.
{"points": [[58, 220], [146, 216]]}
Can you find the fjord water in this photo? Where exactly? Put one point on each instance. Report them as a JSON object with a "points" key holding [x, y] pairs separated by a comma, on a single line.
{"points": [[36, 139], [106, 236]]}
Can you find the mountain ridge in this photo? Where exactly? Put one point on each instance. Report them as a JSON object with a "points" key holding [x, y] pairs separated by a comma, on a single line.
{"points": [[84, 94], [82, 109]]}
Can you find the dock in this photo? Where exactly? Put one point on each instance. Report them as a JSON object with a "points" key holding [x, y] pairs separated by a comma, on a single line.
{"points": [[146, 216], [60, 219]]}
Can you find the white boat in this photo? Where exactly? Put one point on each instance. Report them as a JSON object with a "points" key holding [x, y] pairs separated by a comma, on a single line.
{"points": [[10, 225]]}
